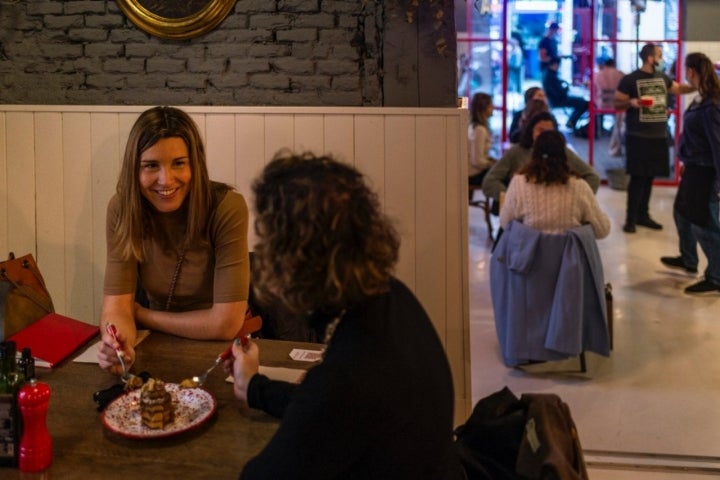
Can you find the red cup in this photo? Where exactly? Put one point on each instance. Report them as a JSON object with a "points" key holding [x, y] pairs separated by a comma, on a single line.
{"points": [[647, 101]]}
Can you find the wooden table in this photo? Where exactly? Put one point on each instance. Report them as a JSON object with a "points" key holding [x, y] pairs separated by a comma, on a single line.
{"points": [[83, 449]]}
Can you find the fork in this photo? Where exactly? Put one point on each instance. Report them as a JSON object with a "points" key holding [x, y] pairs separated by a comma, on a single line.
{"points": [[113, 332], [199, 380]]}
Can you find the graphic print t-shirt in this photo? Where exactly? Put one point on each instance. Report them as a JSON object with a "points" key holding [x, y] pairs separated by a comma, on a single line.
{"points": [[650, 122]]}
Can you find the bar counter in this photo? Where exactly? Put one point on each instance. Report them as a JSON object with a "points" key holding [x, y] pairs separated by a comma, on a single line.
{"points": [[84, 449]]}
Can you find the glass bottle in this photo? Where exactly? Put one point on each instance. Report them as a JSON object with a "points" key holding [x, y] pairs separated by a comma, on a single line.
{"points": [[26, 365], [10, 366], [4, 372], [9, 431]]}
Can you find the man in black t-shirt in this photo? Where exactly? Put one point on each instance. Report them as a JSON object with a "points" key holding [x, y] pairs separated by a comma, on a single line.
{"points": [[548, 47], [643, 94]]}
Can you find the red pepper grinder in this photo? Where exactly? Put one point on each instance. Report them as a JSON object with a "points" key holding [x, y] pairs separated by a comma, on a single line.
{"points": [[35, 452]]}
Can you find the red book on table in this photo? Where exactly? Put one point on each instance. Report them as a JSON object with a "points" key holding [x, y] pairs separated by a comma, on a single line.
{"points": [[54, 338]]}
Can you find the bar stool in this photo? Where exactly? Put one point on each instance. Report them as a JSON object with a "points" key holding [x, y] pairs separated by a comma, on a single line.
{"points": [[483, 203]]}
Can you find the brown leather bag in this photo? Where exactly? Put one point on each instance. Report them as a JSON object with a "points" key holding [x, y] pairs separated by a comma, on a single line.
{"points": [[23, 295]]}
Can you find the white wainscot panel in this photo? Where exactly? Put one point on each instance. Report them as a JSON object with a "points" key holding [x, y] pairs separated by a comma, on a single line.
{"points": [[59, 167]]}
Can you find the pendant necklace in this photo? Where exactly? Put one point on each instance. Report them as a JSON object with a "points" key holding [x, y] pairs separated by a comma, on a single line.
{"points": [[173, 282]]}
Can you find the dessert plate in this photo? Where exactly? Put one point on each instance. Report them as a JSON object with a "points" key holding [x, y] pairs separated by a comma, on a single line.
{"points": [[193, 407]]}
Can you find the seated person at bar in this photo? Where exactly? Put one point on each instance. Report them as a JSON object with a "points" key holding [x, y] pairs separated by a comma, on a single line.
{"points": [[178, 236], [532, 93], [499, 176], [326, 250], [479, 138], [605, 84], [546, 196], [532, 108], [557, 91]]}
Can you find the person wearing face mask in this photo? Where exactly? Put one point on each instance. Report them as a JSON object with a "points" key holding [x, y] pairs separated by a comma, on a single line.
{"points": [[642, 94], [174, 237], [696, 205]]}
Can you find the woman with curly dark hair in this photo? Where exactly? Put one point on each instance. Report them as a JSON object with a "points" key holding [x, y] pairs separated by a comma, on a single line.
{"points": [[546, 196], [326, 251], [330, 268]]}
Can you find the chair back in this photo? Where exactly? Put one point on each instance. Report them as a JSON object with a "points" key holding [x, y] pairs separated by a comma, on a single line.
{"points": [[548, 294]]}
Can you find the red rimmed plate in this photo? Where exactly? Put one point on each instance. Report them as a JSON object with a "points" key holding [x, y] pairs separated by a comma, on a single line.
{"points": [[193, 407]]}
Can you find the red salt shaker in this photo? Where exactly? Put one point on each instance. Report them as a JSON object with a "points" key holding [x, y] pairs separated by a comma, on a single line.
{"points": [[35, 452]]}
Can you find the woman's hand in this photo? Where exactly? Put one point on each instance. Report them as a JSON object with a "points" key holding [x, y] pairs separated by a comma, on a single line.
{"points": [[243, 366], [107, 356], [117, 310]]}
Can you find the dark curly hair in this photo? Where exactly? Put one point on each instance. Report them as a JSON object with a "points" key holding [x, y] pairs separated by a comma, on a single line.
{"points": [[323, 241], [548, 164]]}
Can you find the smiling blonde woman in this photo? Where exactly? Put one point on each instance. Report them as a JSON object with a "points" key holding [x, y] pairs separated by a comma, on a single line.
{"points": [[174, 237]]}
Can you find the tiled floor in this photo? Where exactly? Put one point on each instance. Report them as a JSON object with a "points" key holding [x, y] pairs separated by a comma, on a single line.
{"points": [[652, 410]]}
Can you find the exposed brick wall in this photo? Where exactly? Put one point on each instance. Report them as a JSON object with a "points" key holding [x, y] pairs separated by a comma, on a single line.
{"points": [[266, 52]]}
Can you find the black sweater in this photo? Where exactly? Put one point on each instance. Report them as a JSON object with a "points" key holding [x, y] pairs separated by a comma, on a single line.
{"points": [[380, 405]]}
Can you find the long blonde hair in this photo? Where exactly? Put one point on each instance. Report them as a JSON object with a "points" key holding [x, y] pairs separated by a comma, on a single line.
{"points": [[135, 221]]}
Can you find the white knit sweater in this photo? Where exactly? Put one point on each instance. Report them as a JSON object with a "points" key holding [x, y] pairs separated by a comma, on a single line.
{"points": [[553, 208]]}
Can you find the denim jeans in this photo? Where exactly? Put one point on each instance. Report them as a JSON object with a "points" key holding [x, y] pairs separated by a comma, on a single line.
{"points": [[686, 240], [709, 239]]}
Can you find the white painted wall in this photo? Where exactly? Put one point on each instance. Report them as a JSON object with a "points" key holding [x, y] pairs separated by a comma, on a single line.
{"points": [[59, 167]]}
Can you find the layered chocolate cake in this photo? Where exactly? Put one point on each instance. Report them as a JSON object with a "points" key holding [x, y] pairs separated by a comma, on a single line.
{"points": [[156, 407]]}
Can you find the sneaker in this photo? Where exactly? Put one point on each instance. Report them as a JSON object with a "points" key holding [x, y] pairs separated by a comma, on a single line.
{"points": [[629, 228], [649, 223], [703, 286], [677, 262]]}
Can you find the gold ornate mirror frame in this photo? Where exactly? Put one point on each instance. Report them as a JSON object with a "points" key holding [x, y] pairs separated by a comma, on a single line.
{"points": [[152, 16]]}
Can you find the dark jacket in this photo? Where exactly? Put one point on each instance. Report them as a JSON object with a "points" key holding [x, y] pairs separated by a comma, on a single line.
{"points": [[699, 150], [506, 438], [699, 143]]}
